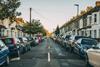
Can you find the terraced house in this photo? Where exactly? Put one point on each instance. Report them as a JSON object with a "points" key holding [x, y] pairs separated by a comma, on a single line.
{"points": [[14, 29], [85, 24]]}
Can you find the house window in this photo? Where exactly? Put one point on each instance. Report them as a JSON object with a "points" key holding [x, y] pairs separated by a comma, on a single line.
{"points": [[95, 32], [77, 25], [95, 17], [84, 21], [90, 20], [77, 32], [82, 33], [85, 33]]}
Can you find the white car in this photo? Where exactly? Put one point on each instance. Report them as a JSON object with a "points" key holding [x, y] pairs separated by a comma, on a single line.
{"points": [[93, 56]]}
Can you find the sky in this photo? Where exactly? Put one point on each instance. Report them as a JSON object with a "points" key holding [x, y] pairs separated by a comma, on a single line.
{"points": [[52, 12]]}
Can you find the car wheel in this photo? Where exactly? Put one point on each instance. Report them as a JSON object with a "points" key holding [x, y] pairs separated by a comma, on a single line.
{"points": [[29, 48], [7, 61], [66, 47], [18, 53], [25, 49]]}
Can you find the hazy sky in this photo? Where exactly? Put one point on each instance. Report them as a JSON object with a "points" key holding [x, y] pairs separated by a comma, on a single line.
{"points": [[52, 12]]}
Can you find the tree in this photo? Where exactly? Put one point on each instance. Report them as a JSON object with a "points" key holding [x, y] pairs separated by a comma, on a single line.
{"points": [[57, 31], [34, 28], [8, 9]]}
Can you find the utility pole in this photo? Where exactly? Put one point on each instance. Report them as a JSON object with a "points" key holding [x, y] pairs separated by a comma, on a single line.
{"points": [[30, 20]]}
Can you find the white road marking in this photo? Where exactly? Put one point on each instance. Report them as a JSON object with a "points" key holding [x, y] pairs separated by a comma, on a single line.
{"points": [[14, 59], [49, 47], [48, 56]]}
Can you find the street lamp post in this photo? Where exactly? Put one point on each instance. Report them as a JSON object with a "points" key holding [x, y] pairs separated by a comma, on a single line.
{"points": [[77, 5]]}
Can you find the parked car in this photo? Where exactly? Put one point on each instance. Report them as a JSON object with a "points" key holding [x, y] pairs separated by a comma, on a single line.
{"points": [[59, 40], [93, 56], [54, 38], [4, 54], [65, 41], [73, 39], [25, 43], [14, 46], [82, 45], [33, 43], [29, 38]]}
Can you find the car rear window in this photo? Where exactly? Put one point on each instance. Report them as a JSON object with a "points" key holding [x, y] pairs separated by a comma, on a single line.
{"points": [[89, 41], [8, 41], [78, 37]]}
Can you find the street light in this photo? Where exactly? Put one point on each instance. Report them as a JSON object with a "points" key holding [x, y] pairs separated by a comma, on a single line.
{"points": [[77, 5]]}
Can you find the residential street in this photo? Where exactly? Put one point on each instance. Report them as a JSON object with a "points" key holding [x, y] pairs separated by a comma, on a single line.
{"points": [[58, 57]]}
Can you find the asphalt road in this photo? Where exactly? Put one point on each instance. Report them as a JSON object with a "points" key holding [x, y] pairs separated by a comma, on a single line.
{"points": [[48, 54]]}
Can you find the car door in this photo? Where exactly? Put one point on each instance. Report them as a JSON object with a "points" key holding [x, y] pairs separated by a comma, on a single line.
{"points": [[3, 52], [77, 46]]}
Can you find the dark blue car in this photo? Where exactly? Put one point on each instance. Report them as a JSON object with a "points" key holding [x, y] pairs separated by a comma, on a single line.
{"points": [[4, 54], [83, 44]]}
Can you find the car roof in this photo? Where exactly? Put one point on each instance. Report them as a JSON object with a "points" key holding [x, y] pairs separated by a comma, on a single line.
{"points": [[88, 38]]}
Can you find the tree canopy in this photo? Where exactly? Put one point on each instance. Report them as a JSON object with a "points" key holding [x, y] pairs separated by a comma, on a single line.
{"points": [[57, 31], [34, 28], [8, 9]]}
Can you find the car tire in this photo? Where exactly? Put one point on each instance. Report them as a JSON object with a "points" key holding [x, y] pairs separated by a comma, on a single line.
{"points": [[7, 61], [66, 47], [24, 50], [29, 48], [18, 53]]}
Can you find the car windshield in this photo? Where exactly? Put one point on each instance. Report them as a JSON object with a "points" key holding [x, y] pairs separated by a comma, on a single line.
{"points": [[78, 37], [88, 41]]}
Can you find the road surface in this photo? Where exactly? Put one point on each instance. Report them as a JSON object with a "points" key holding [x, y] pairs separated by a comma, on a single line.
{"points": [[48, 54]]}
